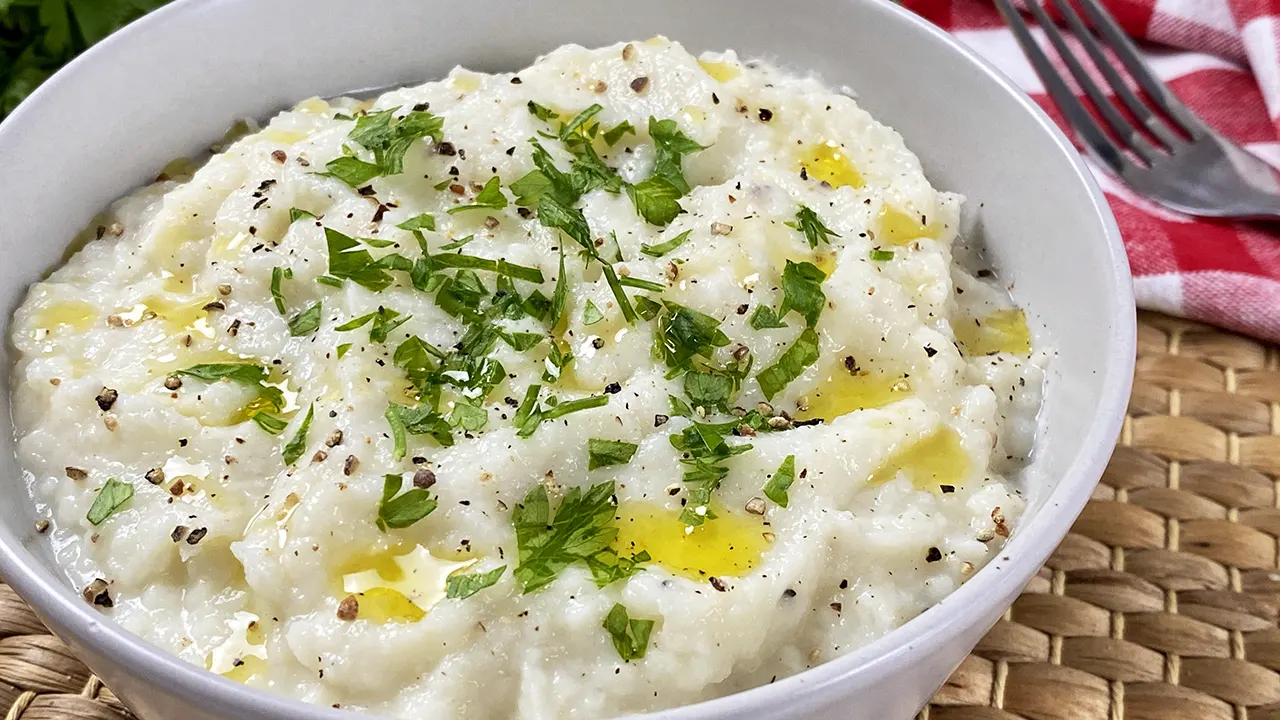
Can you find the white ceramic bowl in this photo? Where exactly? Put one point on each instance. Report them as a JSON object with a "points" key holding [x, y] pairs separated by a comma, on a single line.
{"points": [[175, 81]]}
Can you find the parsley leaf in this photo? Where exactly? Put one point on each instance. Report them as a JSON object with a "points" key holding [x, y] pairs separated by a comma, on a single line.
{"points": [[557, 215], [703, 453], [273, 424], [306, 322], [561, 294], [764, 318], [113, 495], [671, 145], [808, 222], [793, 362], [501, 267], [647, 309], [244, 373], [684, 333], [802, 291], [461, 587], [603, 453], [489, 198], [656, 200], [557, 360], [581, 528], [615, 133], [542, 112], [591, 314], [665, 247], [630, 635], [352, 171], [296, 214], [776, 488], [277, 276], [457, 244], [298, 445], [390, 137], [467, 416], [709, 390], [349, 261], [425, 221], [530, 414], [879, 255], [400, 512], [418, 420]]}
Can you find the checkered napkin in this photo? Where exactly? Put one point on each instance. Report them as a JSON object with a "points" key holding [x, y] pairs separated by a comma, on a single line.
{"points": [[1222, 58]]}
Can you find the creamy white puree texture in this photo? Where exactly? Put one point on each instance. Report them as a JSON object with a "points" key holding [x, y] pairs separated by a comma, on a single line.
{"points": [[924, 382]]}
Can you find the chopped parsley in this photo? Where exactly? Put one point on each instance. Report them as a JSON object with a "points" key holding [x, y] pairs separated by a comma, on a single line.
{"points": [[684, 333], [703, 453], [457, 244], [349, 261], [764, 318], [531, 413], [615, 133], [671, 145], [802, 354], [630, 635], [802, 291], [879, 255], [647, 309], [466, 416], [113, 495], [776, 488], [397, 511], [250, 375], [273, 424], [461, 587], [665, 247], [656, 200], [425, 221], [560, 297], [489, 198], [542, 112], [581, 529], [389, 138], [307, 321], [808, 222], [296, 214], [418, 420], [298, 445], [604, 453], [558, 358], [277, 277], [591, 314]]}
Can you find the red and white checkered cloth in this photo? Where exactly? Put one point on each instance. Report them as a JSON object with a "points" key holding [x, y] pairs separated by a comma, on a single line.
{"points": [[1222, 58]]}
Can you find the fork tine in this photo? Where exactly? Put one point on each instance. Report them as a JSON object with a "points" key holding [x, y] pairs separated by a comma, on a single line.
{"points": [[1137, 108], [1118, 122], [1124, 49], [1092, 134]]}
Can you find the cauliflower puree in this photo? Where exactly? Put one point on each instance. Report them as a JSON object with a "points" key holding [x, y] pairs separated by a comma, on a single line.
{"points": [[625, 381]]}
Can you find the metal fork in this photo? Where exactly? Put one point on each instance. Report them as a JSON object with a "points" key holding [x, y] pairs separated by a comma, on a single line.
{"points": [[1189, 167]]}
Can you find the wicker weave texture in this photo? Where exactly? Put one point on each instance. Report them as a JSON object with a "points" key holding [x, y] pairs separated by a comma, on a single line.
{"points": [[1161, 604]]}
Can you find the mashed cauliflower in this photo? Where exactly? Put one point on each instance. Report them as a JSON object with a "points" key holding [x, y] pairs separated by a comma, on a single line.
{"points": [[625, 381]]}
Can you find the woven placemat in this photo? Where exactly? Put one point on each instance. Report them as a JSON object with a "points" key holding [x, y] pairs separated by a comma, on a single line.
{"points": [[1161, 604]]}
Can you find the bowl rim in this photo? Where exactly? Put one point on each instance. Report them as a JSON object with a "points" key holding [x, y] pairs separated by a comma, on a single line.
{"points": [[891, 653]]}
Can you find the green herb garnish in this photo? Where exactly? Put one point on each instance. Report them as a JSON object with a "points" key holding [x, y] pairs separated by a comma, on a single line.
{"points": [[672, 145], [489, 198], [802, 353], [388, 137], [603, 453], [296, 214], [808, 222], [802, 291], [425, 221], [764, 318], [776, 488], [591, 314], [306, 322], [400, 512], [349, 261], [615, 133], [630, 635], [461, 587], [113, 495], [656, 200], [277, 277], [298, 445], [665, 247], [879, 255], [582, 528]]}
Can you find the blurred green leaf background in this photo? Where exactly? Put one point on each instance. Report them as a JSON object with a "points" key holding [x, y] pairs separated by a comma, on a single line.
{"points": [[39, 36]]}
